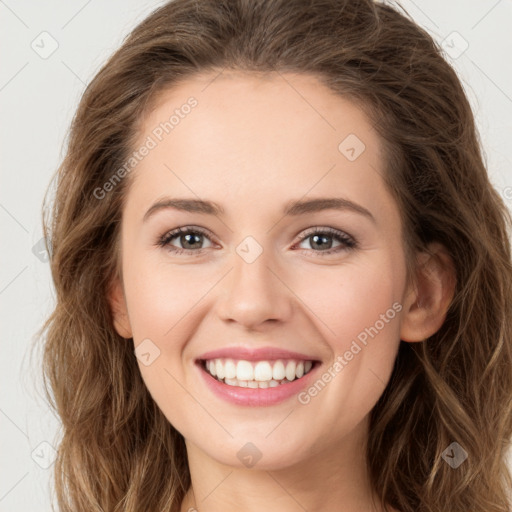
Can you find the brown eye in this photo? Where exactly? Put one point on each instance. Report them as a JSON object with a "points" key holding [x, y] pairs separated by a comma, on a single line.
{"points": [[320, 240], [190, 240]]}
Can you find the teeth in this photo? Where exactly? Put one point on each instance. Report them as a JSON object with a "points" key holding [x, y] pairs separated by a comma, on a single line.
{"points": [[262, 374], [244, 370], [278, 370], [290, 370], [230, 369], [263, 371], [254, 383], [219, 369]]}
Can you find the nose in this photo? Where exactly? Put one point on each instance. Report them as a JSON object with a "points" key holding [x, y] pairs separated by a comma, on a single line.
{"points": [[254, 294]]}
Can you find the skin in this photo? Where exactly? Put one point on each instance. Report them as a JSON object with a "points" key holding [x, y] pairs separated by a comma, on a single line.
{"points": [[252, 144]]}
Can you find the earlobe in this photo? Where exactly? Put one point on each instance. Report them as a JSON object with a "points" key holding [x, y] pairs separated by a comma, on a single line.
{"points": [[427, 302], [119, 309]]}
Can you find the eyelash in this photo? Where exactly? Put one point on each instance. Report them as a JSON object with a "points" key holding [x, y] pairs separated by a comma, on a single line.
{"points": [[348, 242]]}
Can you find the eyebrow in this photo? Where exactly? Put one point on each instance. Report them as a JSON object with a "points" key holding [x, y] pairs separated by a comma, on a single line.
{"points": [[292, 208]]}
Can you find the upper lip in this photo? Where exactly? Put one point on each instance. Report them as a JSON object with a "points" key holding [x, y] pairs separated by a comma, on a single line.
{"points": [[255, 354]]}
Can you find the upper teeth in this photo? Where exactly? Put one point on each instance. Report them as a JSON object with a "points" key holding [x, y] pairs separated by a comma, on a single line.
{"points": [[258, 370]]}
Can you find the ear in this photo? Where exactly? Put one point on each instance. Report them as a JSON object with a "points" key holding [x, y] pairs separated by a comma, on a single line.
{"points": [[428, 300], [119, 310]]}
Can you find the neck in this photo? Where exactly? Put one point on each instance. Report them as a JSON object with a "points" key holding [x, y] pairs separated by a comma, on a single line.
{"points": [[322, 481]]}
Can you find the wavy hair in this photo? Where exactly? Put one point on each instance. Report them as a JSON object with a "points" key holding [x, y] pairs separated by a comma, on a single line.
{"points": [[117, 450]]}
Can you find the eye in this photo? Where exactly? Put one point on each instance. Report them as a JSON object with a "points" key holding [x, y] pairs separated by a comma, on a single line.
{"points": [[319, 238], [189, 238]]}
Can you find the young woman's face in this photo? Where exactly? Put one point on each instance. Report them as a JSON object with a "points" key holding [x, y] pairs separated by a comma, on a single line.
{"points": [[323, 282]]}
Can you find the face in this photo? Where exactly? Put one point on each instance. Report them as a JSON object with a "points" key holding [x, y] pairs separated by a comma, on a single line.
{"points": [[262, 285]]}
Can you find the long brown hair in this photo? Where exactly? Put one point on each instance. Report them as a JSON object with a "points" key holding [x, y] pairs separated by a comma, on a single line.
{"points": [[118, 452]]}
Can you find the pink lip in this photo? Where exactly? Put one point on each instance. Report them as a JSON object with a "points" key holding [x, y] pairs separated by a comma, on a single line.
{"points": [[257, 396], [255, 354]]}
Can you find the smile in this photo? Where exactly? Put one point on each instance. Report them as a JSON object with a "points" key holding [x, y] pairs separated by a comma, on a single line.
{"points": [[256, 374]]}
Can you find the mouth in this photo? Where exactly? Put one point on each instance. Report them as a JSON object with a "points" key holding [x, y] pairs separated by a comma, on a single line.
{"points": [[260, 374]]}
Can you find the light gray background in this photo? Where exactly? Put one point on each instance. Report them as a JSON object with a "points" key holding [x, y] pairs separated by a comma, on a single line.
{"points": [[38, 97]]}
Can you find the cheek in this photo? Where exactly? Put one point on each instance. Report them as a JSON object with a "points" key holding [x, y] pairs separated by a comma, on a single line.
{"points": [[346, 301], [160, 295], [357, 313], [163, 304]]}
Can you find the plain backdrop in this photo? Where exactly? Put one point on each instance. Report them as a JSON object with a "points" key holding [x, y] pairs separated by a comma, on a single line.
{"points": [[50, 51]]}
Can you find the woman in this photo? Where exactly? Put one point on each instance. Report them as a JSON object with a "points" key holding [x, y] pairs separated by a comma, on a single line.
{"points": [[207, 352]]}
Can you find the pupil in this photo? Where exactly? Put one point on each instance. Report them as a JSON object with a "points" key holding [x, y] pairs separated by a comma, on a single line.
{"points": [[186, 237], [317, 237]]}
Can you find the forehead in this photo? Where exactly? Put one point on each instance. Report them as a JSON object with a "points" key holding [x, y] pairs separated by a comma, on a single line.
{"points": [[255, 134], [299, 103], [234, 87]]}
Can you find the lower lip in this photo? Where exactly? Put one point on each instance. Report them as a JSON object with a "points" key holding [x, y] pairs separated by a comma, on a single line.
{"points": [[257, 396]]}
